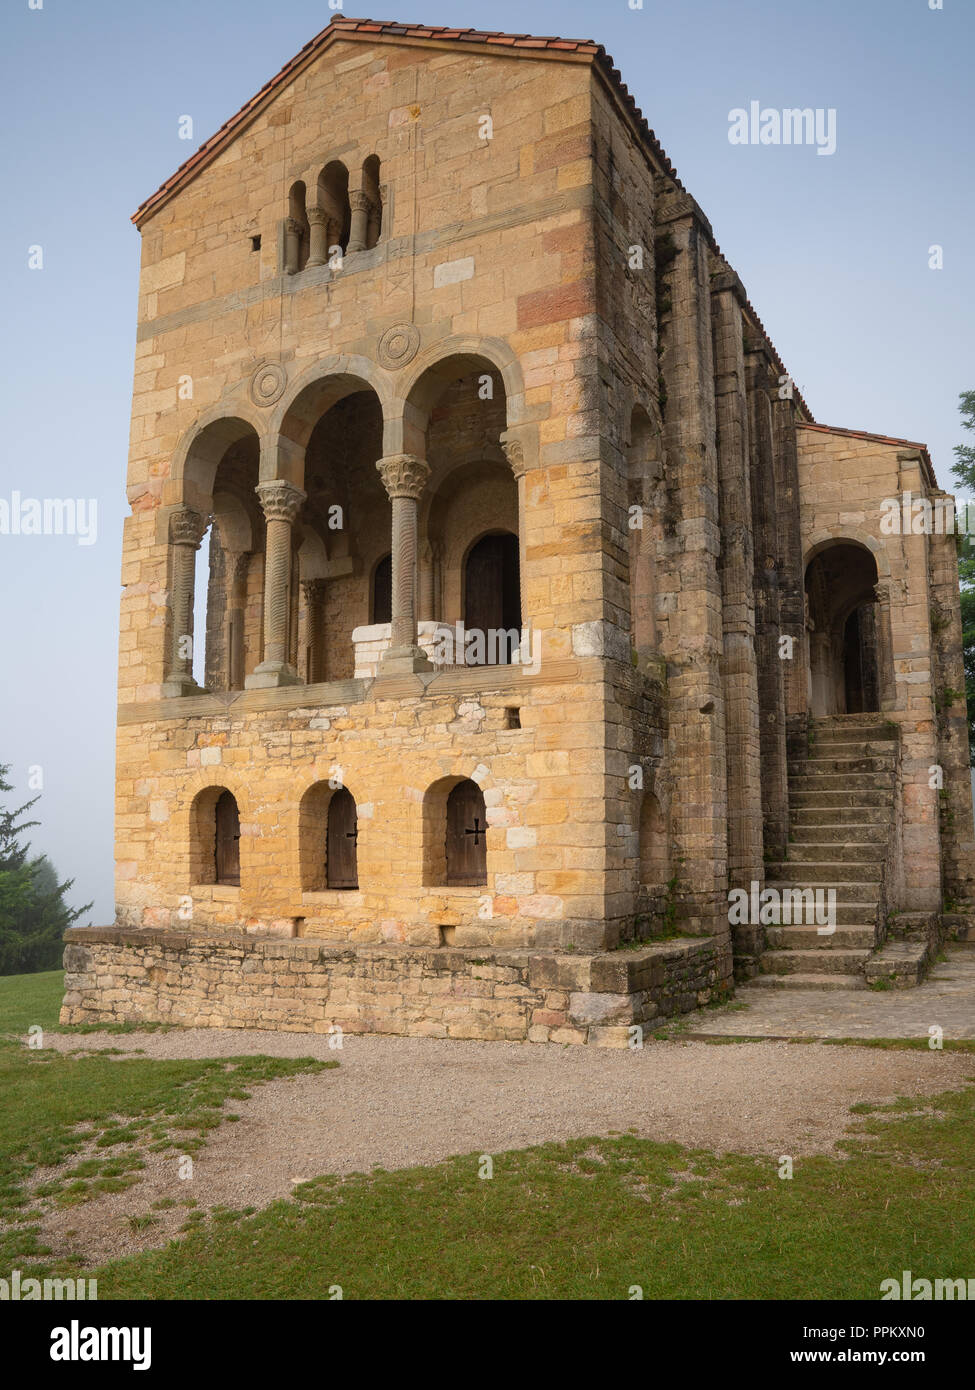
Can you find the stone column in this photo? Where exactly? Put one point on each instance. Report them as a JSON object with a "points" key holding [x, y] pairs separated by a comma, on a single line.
{"points": [[404, 478], [691, 640], [281, 502], [292, 245], [359, 202], [238, 564], [740, 669], [318, 242], [186, 531], [314, 594]]}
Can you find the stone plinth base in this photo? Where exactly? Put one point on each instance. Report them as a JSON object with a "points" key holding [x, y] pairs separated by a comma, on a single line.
{"points": [[231, 980]]}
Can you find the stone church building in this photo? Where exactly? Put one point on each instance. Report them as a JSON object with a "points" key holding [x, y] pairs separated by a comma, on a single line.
{"points": [[540, 614]]}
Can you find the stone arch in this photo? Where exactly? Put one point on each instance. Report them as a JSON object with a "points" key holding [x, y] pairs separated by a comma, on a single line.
{"points": [[429, 375], [307, 399], [434, 824], [445, 862], [209, 856], [323, 815], [199, 452], [847, 629]]}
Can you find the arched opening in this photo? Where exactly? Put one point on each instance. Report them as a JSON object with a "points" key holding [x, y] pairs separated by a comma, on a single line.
{"points": [[328, 835], [454, 834], [217, 544], [845, 632], [333, 197], [297, 241], [215, 838], [336, 424], [492, 600], [382, 591]]}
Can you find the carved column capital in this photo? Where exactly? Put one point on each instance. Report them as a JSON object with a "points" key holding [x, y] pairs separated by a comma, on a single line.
{"points": [[881, 592], [514, 452], [314, 590], [280, 500], [293, 226], [187, 527], [359, 201], [404, 475], [317, 217]]}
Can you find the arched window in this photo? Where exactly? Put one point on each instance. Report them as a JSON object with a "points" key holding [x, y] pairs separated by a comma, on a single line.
{"points": [[333, 197], [382, 591], [226, 858], [297, 237], [466, 845], [492, 600], [341, 859], [654, 847]]}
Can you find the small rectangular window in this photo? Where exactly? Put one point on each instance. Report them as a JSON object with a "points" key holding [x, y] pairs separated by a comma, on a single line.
{"points": [[255, 243], [512, 717]]}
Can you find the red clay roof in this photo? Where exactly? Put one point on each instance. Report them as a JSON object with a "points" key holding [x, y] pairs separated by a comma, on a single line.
{"points": [[344, 27], [878, 439]]}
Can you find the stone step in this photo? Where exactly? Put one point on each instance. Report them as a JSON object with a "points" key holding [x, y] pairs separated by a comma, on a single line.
{"points": [[840, 832], [848, 895], [835, 961], [818, 851], [852, 748], [810, 980], [797, 937], [853, 726], [815, 767], [876, 817], [842, 781], [827, 872], [828, 796]]}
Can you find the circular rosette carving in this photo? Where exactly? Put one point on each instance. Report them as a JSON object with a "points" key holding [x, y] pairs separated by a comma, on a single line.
{"points": [[268, 383], [399, 345]]}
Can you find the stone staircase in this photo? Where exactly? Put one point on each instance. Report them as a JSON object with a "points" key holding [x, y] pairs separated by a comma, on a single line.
{"points": [[841, 805]]}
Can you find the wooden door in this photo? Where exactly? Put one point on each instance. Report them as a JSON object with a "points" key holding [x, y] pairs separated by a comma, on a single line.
{"points": [[343, 832], [227, 840], [466, 836], [492, 599]]}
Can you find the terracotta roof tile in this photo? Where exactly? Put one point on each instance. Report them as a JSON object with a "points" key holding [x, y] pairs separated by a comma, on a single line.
{"points": [[878, 439]]}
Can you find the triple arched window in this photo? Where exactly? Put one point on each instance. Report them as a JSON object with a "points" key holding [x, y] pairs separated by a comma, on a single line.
{"points": [[334, 218]]}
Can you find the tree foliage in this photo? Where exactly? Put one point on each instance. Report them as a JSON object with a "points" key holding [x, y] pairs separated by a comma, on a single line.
{"points": [[33, 913]]}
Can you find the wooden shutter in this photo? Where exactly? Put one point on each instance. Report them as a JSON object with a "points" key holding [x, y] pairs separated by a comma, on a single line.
{"points": [[466, 836], [343, 829], [227, 840]]}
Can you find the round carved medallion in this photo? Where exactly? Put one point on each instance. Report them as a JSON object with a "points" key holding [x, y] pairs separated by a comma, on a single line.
{"points": [[268, 383], [399, 345]]}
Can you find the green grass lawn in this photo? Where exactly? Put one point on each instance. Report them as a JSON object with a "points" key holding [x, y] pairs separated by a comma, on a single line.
{"points": [[589, 1219]]}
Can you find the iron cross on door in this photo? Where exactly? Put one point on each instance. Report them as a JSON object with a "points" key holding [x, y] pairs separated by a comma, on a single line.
{"points": [[477, 831]]}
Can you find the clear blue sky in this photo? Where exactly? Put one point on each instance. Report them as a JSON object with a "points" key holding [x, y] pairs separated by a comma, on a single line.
{"points": [[833, 251]]}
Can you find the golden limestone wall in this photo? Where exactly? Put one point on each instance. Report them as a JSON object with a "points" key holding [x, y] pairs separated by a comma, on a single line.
{"points": [[487, 250], [846, 487]]}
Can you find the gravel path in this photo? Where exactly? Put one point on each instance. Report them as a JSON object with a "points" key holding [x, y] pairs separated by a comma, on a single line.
{"points": [[397, 1102]]}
